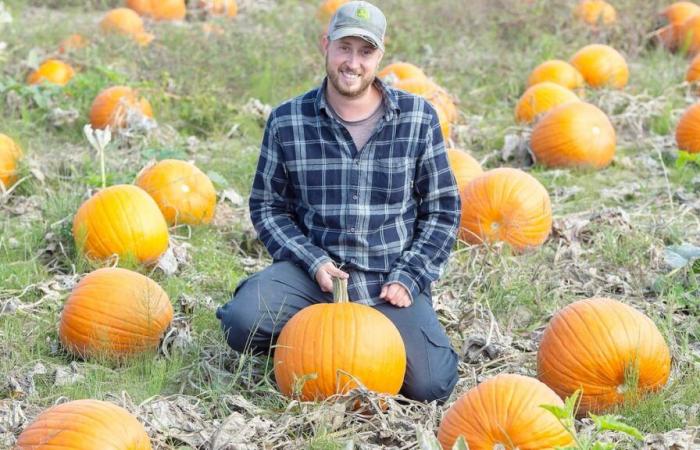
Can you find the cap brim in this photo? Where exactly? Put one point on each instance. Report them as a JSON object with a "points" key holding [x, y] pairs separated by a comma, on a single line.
{"points": [[359, 32]]}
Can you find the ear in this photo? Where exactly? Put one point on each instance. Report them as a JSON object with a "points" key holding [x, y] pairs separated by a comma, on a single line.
{"points": [[325, 42]]}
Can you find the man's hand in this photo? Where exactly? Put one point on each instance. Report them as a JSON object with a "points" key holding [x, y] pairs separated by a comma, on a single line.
{"points": [[325, 274], [396, 294]]}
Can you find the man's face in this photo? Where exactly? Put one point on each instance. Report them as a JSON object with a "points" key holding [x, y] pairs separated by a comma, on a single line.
{"points": [[351, 65]]}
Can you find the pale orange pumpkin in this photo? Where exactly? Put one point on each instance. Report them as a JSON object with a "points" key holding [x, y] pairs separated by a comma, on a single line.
{"points": [[505, 412], [168, 9], [689, 35], [10, 154], [73, 42], [52, 71], [679, 12], [688, 130], [431, 91], [506, 205], [692, 75], [114, 313], [121, 220], [445, 127], [595, 12], [142, 7], [335, 346], [84, 425], [559, 72], [575, 134], [326, 10], [227, 8], [126, 22], [402, 71], [184, 194], [604, 347], [601, 66], [540, 98], [116, 106], [464, 167]]}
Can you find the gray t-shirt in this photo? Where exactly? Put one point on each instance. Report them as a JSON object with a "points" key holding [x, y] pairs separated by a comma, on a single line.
{"points": [[360, 130]]}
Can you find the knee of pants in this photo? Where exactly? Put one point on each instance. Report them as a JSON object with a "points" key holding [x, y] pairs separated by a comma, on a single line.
{"points": [[438, 386], [240, 319]]}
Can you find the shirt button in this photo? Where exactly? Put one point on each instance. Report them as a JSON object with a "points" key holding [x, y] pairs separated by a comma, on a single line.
{"points": [[353, 260], [357, 163], [352, 229], [354, 196]]}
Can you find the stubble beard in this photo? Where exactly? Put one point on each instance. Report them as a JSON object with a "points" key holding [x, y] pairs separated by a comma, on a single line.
{"points": [[334, 78]]}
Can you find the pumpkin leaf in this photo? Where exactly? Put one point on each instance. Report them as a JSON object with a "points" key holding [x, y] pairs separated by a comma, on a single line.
{"points": [[559, 412], [678, 256], [426, 439], [613, 423], [460, 444], [686, 157]]}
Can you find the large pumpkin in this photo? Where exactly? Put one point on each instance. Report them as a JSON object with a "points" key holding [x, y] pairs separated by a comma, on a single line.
{"points": [[688, 130], [506, 205], [184, 194], [114, 313], [333, 346], [540, 98], [10, 154], [142, 7], [605, 348], [168, 9], [121, 220], [116, 106], [676, 15], [464, 167], [402, 71], [84, 425], [431, 91], [52, 71], [574, 135], [326, 10], [601, 66], [505, 412], [126, 22], [689, 35], [595, 12], [559, 72]]}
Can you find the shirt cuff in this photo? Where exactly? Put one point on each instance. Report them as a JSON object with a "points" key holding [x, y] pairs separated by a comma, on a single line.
{"points": [[405, 280], [313, 267]]}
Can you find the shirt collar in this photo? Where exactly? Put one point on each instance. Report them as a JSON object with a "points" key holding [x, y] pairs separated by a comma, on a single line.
{"points": [[389, 97]]}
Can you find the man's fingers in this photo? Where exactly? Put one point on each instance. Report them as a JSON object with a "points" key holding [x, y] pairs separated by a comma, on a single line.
{"points": [[334, 271]]}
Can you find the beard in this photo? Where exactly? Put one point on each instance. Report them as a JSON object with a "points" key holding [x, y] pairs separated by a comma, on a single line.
{"points": [[334, 78]]}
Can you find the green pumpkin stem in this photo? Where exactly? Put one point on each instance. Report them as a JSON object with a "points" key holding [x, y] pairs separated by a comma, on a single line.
{"points": [[340, 290]]}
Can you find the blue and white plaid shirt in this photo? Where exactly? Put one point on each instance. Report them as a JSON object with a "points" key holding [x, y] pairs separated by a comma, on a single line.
{"points": [[387, 213]]}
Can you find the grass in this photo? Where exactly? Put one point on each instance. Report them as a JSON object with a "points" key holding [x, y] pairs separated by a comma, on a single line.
{"points": [[200, 86]]}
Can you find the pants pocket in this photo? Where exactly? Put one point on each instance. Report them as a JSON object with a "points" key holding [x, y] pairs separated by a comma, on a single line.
{"points": [[441, 360]]}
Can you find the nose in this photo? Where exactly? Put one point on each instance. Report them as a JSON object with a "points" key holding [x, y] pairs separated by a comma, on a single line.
{"points": [[353, 61]]}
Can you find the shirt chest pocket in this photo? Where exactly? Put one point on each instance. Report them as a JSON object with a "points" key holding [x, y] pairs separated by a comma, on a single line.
{"points": [[391, 180]]}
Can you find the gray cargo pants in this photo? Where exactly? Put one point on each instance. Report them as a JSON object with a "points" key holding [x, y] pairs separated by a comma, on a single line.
{"points": [[265, 301]]}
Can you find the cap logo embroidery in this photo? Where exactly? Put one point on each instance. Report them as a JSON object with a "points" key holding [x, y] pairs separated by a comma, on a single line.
{"points": [[362, 13]]}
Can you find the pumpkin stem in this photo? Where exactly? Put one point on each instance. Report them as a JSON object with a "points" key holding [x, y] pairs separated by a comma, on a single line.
{"points": [[340, 290]]}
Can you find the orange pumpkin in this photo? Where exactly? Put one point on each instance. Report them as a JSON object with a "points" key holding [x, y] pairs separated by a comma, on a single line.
{"points": [[142, 7], [10, 154], [402, 71], [333, 346], [688, 130], [506, 205], [432, 92], [595, 345], [574, 135], [445, 127], [601, 66], [326, 10], [464, 167], [693, 73], [679, 12], [220, 7], [52, 71], [559, 72], [184, 194], [126, 22], [114, 313], [116, 106], [595, 12], [689, 35], [84, 425], [121, 220], [540, 98], [504, 412], [168, 9], [72, 42]]}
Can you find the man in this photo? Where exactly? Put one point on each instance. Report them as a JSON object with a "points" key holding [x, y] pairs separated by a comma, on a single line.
{"points": [[353, 182]]}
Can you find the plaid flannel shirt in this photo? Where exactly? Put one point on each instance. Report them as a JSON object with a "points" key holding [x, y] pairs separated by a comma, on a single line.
{"points": [[387, 213]]}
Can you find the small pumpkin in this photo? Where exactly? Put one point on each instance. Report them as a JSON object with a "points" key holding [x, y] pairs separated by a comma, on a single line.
{"points": [[402, 71], [431, 91], [142, 7], [506, 205], [559, 72], [688, 130], [540, 98], [114, 313], [227, 8], [126, 22], [333, 346], [692, 75], [575, 134], [325, 11], [84, 425], [168, 9], [595, 345], [73, 42], [464, 167], [184, 194], [52, 71], [595, 12], [679, 12], [121, 220], [10, 154], [601, 66], [116, 106], [445, 127], [689, 35], [505, 412]]}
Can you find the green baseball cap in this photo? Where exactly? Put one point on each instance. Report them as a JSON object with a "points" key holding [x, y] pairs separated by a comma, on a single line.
{"points": [[361, 19]]}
